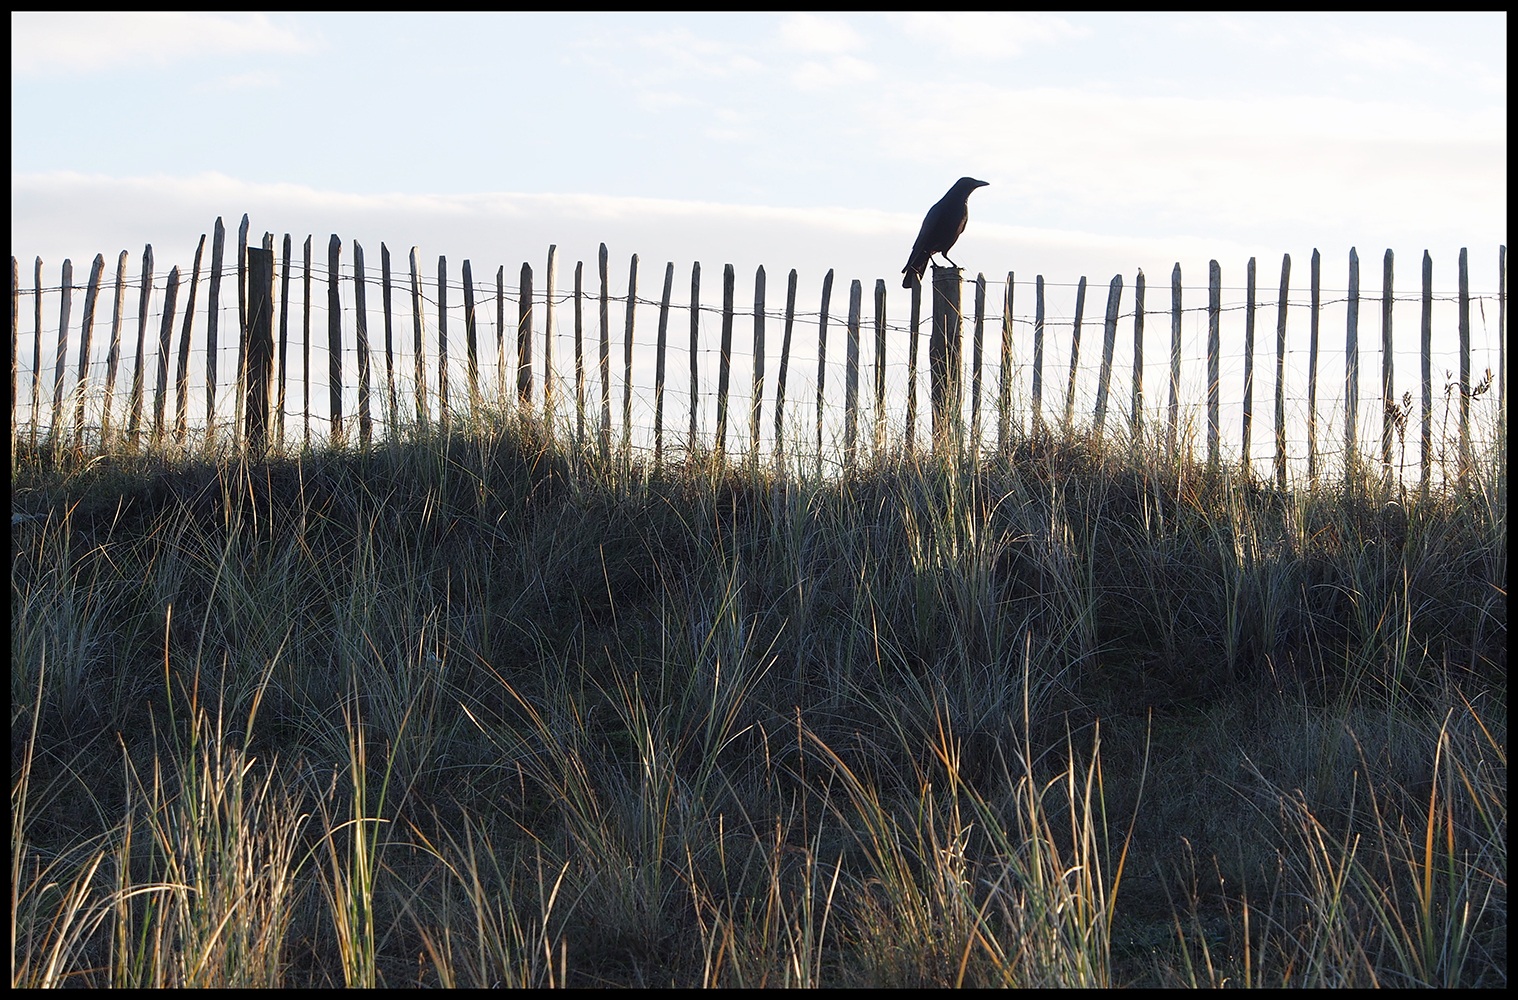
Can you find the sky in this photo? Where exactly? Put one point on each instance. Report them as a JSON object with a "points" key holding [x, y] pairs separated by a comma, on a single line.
{"points": [[1112, 142]]}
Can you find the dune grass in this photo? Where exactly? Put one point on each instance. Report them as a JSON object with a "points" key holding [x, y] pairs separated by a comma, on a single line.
{"points": [[479, 709]]}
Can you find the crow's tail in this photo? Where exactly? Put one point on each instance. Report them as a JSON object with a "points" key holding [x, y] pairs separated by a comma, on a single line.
{"points": [[915, 266]]}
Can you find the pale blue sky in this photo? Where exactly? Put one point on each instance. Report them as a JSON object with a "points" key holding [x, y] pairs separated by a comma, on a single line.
{"points": [[1112, 141]]}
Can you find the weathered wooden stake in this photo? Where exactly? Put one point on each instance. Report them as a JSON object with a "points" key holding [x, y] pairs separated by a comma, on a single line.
{"points": [[1136, 406], [725, 359], [1038, 356], [915, 322], [389, 342], [471, 345], [605, 359], [1004, 393], [662, 343], [1352, 366], [579, 353], [944, 361], [524, 335], [420, 352], [785, 363], [165, 338], [86, 338], [1249, 300], [1075, 352], [306, 342], [822, 357], [1214, 314], [1312, 368], [361, 332], [1281, 372], [1425, 349], [144, 299], [1388, 390], [851, 376], [880, 365], [260, 356], [627, 358], [1109, 347], [213, 325], [284, 336], [442, 343], [548, 281], [1175, 360], [756, 397], [1465, 368], [182, 372], [112, 358], [37, 348], [977, 356], [240, 376], [695, 329], [335, 339]]}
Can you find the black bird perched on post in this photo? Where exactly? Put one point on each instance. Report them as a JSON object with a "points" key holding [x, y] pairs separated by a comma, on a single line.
{"points": [[941, 228]]}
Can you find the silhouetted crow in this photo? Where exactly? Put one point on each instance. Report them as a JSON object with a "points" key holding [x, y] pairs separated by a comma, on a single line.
{"points": [[942, 226]]}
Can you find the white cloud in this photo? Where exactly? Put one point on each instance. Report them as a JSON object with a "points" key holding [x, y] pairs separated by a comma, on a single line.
{"points": [[245, 81], [988, 34], [816, 33], [75, 42], [835, 72]]}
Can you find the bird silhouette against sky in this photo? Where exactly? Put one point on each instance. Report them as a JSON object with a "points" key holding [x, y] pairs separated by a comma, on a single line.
{"points": [[941, 228]]}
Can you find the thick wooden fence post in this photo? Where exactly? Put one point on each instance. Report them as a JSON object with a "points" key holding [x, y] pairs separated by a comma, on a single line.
{"points": [[139, 379], [1214, 315], [213, 326], [165, 339], [260, 357], [548, 281], [1389, 411], [182, 372], [1004, 393], [1249, 299], [86, 338], [1075, 352], [725, 359], [524, 336], [1426, 336], [851, 377], [1352, 367], [1136, 406], [695, 347], [756, 397], [915, 321], [880, 365], [1038, 356], [389, 341], [112, 358], [284, 336], [943, 359], [1465, 368], [627, 358], [471, 345], [1281, 372], [442, 342], [1109, 347], [60, 363], [785, 363], [419, 353], [661, 343], [977, 353], [335, 338], [605, 358], [1316, 291], [361, 333], [822, 357], [1175, 360]]}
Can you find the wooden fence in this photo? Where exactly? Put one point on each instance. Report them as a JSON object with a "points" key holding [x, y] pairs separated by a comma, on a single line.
{"points": [[263, 373]]}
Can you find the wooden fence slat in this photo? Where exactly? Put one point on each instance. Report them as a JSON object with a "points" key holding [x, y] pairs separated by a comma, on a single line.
{"points": [[113, 356], [1214, 314], [548, 280], [915, 322], [306, 337], [442, 343], [1389, 411], [785, 363], [86, 339], [1136, 406], [182, 372], [1075, 352], [1175, 360], [165, 339], [284, 333], [501, 381], [15, 339], [361, 333], [144, 299], [880, 348], [1004, 392], [1249, 301], [1352, 365], [1281, 372], [240, 377], [416, 325], [977, 356], [213, 329], [36, 348], [385, 302], [822, 357], [627, 357], [65, 306], [1038, 356], [260, 356], [605, 359], [471, 344], [851, 376], [579, 354], [335, 340], [1109, 347], [662, 343], [1425, 349], [695, 327], [756, 397], [524, 335], [725, 359], [1465, 368], [1502, 333], [1312, 367]]}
